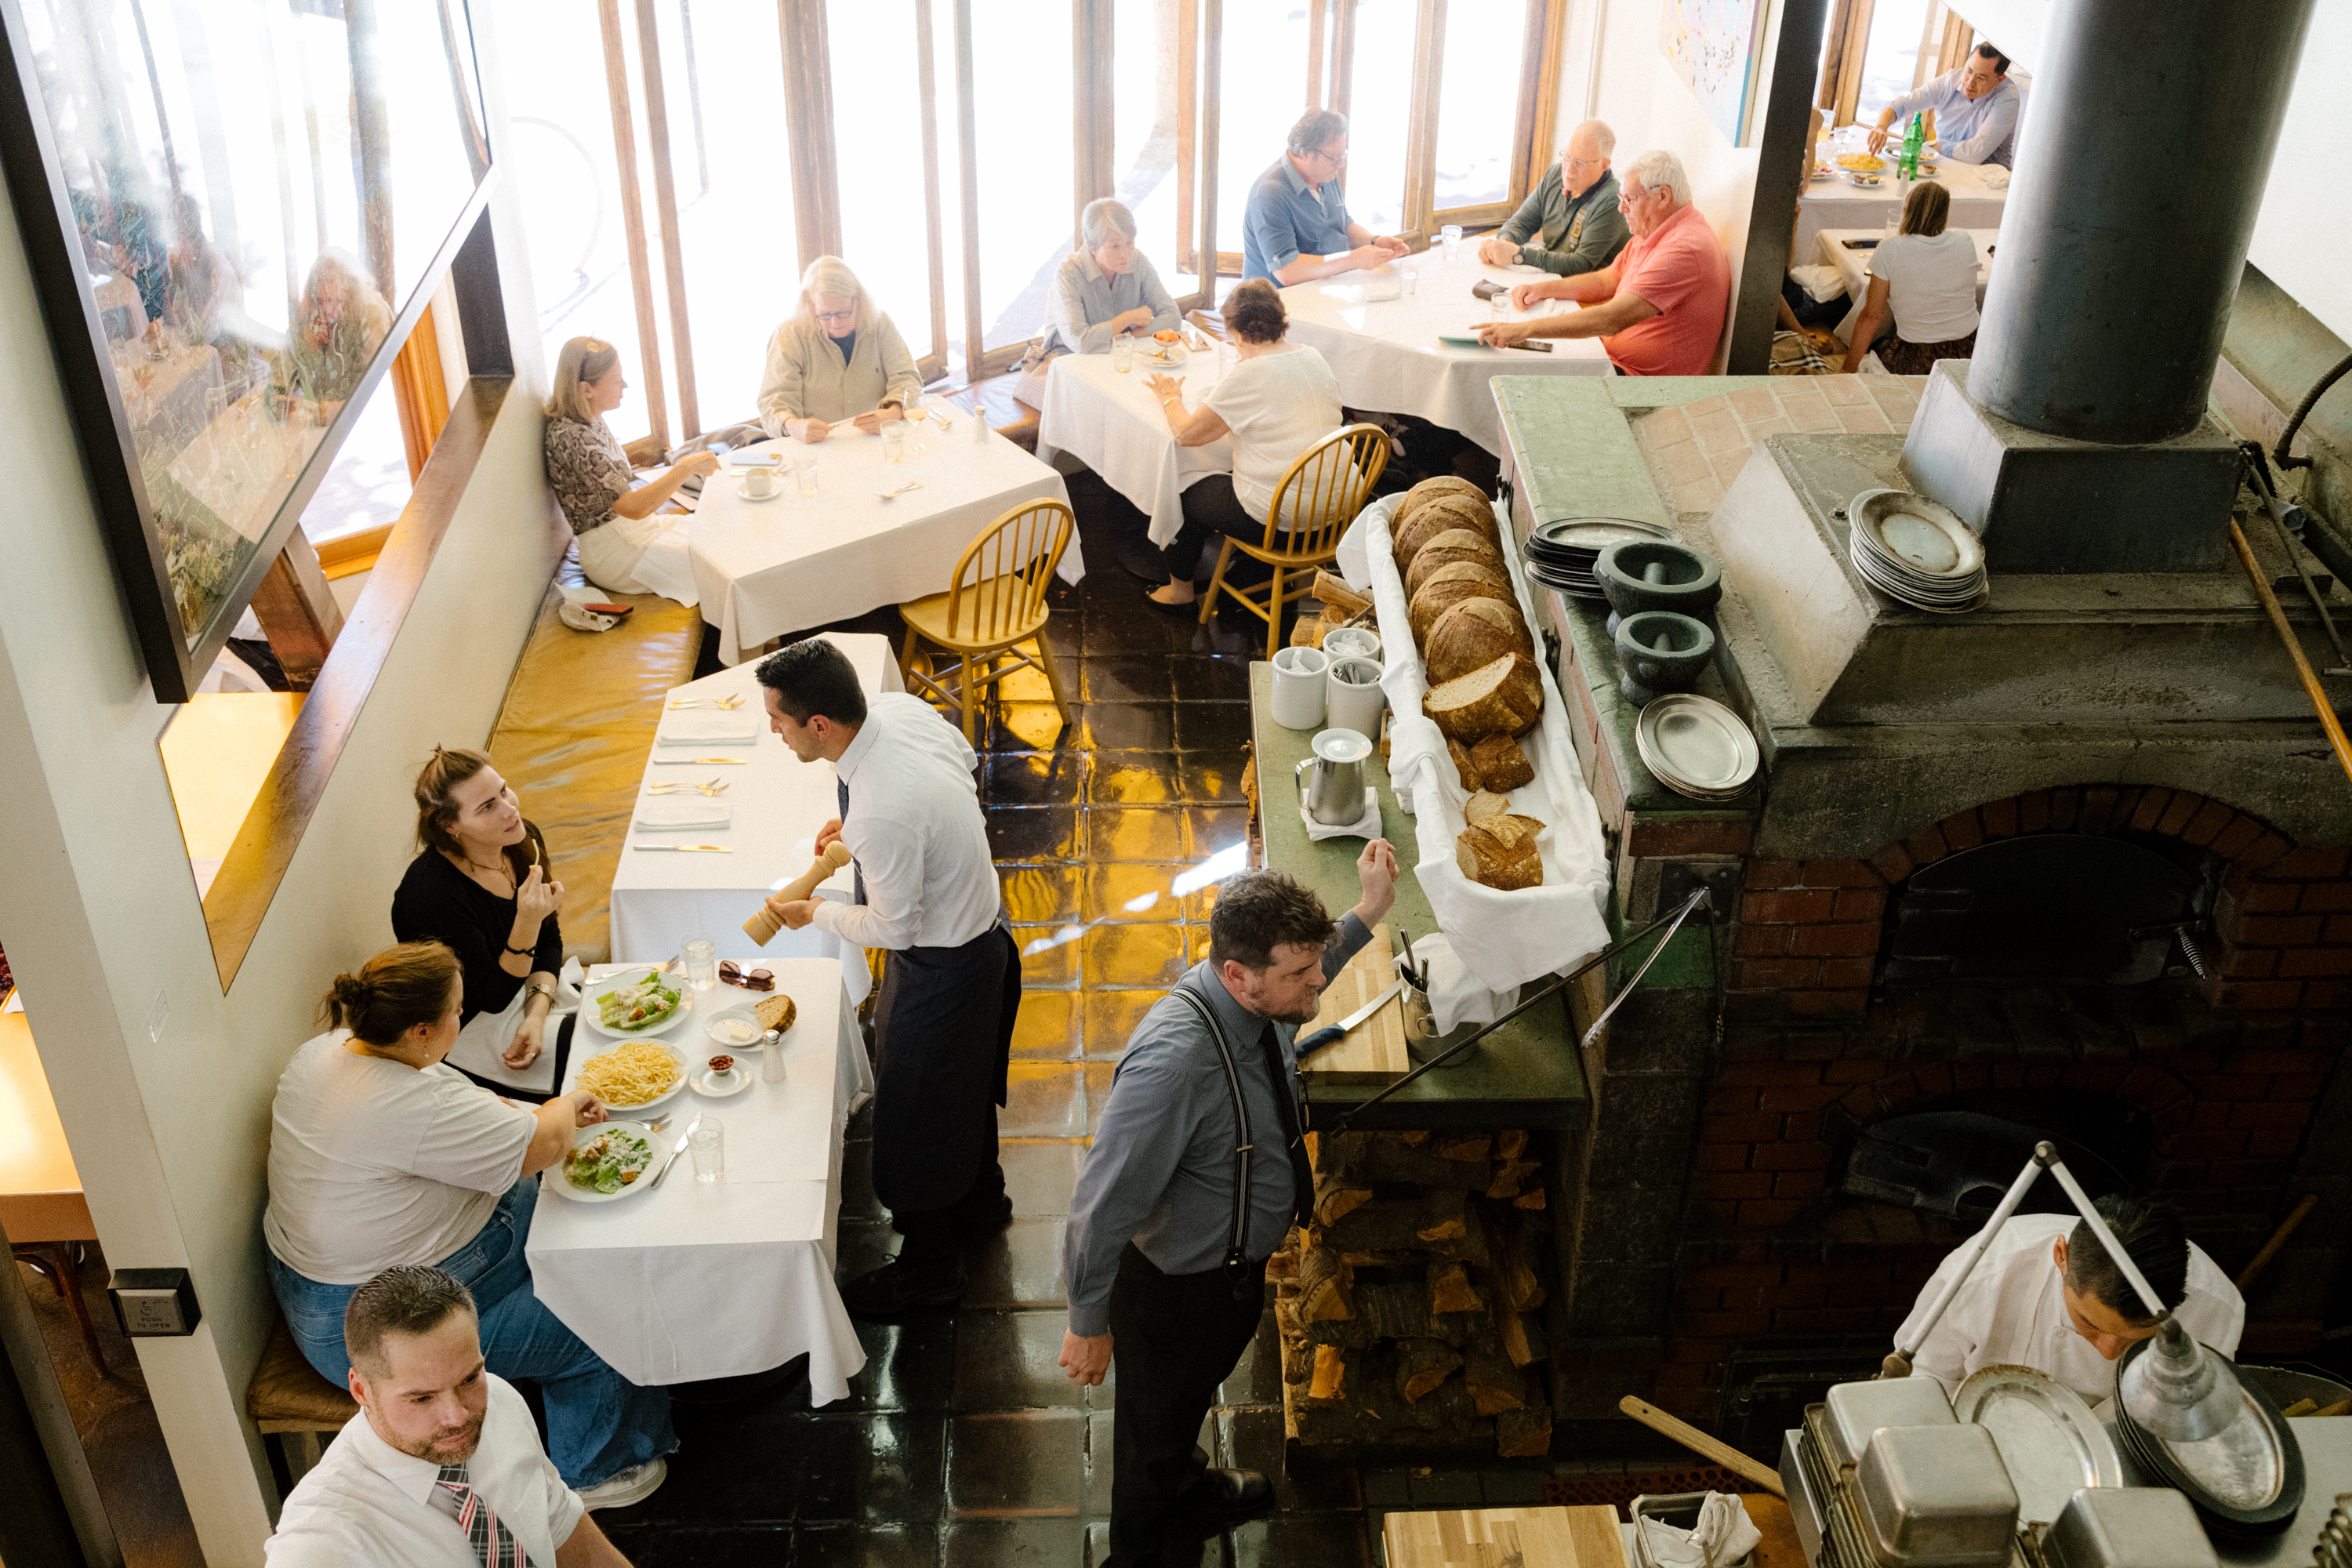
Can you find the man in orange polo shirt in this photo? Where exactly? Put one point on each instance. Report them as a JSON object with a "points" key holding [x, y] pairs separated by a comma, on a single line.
{"points": [[1658, 309]]}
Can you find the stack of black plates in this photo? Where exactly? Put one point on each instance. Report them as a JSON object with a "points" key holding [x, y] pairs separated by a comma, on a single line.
{"points": [[2246, 1482], [1561, 553]]}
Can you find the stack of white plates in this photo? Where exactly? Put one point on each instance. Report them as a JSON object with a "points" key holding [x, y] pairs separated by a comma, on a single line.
{"points": [[1696, 746], [1915, 552]]}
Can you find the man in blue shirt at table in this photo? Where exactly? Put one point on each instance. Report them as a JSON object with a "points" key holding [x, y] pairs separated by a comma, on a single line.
{"points": [[1297, 226], [1975, 109]]}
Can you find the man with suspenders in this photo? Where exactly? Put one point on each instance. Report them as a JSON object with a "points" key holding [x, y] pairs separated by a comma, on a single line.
{"points": [[1182, 1201]]}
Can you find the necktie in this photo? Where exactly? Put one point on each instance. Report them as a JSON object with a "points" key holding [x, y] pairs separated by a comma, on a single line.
{"points": [[1286, 1102], [494, 1544], [856, 871]]}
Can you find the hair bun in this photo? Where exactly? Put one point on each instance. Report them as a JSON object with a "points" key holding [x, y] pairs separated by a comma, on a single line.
{"points": [[350, 992]]}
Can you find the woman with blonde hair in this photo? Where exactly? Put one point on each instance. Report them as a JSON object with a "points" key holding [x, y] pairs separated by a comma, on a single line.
{"points": [[614, 518], [482, 886], [1925, 280], [380, 1156], [838, 360], [340, 322]]}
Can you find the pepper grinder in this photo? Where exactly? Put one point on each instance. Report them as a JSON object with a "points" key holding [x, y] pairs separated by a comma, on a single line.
{"points": [[772, 1057]]}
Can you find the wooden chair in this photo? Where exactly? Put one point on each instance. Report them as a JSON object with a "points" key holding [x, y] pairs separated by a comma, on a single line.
{"points": [[290, 1401], [1318, 498], [997, 604]]}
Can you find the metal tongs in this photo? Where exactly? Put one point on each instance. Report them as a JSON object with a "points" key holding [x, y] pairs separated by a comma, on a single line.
{"points": [[1700, 899]]}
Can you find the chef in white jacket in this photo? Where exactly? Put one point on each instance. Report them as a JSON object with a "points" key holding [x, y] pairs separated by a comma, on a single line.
{"points": [[2045, 1295]]}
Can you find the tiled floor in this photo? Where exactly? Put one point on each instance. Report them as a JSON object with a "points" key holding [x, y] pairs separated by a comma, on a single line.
{"points": [[1696, 450], [961, 1442]]}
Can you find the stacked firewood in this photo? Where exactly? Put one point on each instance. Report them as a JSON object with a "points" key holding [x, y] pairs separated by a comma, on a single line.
{"points": [[1408, 1309]]}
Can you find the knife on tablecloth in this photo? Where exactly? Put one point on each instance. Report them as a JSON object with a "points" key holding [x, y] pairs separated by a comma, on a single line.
{"points": [[677, 1148]]}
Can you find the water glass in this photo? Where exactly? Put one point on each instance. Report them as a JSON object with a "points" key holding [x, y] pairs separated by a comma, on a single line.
{"points": [[1411, 280], [804, 474], [708, 1144], [913, 404], [1452, 234], [1122, 354], [894, 440], [701, 964]]}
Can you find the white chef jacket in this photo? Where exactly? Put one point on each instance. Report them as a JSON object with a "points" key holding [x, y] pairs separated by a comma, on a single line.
{"points": [[914, 824], [2012, 1312], [366, 1504]]}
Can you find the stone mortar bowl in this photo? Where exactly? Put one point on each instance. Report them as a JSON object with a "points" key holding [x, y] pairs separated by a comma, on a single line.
{"points": [[1657, 574], [1661, 651]]}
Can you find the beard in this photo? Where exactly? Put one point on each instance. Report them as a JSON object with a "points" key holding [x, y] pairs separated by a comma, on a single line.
{"points": [[447, 1448]]}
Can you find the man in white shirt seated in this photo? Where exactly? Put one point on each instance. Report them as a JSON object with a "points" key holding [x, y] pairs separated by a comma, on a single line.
{"points": [[2046, 1295], [442, 1465], [1976, 109]]}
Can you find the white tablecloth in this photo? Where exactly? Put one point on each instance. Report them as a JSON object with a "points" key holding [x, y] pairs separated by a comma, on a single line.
{"points": [[697, 1279], [1853, 265], [1837, 203], [1113, 424], [1386, 354], [664, 898], [765, 568]]}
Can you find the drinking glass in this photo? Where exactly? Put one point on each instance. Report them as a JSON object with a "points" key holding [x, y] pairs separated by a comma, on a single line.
{"points": [[1452, 234], [805, 472], [914, 405], [894, 440], [701, 964], [708, 1144], [1122, 354], [1411, 280]]}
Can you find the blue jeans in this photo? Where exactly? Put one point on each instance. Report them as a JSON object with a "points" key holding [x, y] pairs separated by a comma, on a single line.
{"points": [[598, 1422]]}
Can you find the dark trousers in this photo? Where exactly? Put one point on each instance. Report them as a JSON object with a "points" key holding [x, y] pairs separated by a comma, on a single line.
{"points": [[934, 1235], [1174, 1338], [1210, 507]]}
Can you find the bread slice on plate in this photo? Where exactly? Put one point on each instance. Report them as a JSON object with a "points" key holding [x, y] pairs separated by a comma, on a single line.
{"points": [[775, 1013]]}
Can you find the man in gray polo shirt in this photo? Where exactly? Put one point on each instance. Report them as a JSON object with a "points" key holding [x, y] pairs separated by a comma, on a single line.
{"points": [[1296, 226], [1159, 1261]]}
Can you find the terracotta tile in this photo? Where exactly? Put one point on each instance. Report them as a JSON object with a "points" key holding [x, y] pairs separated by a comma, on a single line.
{"points": [[1662, 427], [1699, 495], [1754, 402], [1865, 420], [1729, 464], [1719, 432], [1843, 391], [1888, 391], [1778, 425], [1681, 465], [1047, 1028], [1134, 832], [1902, 426], [1693, 412], [1134, 955], [1812, 417]]}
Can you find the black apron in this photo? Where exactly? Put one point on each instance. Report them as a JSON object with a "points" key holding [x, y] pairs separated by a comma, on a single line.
{"points": [[942, 1056]]}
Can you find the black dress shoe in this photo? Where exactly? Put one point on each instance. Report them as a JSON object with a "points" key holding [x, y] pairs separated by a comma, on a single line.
{"points": [[1001, 1215], [898, 1288], [1230, 1494], [1190, 609]]}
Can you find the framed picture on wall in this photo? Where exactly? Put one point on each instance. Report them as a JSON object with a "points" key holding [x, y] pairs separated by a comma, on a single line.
{"points": [[1713, 45], [234, 211]]}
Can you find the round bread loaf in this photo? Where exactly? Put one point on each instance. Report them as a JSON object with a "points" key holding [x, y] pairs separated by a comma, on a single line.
{"points": [[1472, 634], [1430, 489], [1507, 861], [1447, 586], [1453, 545], [1444, 516], [1501, 763]]}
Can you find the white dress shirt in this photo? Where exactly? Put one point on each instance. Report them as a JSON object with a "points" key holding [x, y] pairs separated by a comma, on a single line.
{"points": [[914, 826], [367, 1503], [2012, 1312]]}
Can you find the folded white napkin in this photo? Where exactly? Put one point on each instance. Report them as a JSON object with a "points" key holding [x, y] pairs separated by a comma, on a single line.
{"points": [[1365, 826], [1456, 995], [1821, 284], [676, 813], [1995, 176], [691, 729], [1723, 1536]]}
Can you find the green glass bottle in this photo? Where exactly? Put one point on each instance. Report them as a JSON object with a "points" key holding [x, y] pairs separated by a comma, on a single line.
{"points": [[1912, 140]]}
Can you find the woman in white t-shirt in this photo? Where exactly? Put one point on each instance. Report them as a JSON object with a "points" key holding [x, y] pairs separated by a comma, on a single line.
{"points": [[1926, 278], [1278, 400], [380, 1155]]}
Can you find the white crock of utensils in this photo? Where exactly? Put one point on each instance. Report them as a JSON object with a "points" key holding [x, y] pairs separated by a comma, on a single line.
{"points": [[902, 489], [1299, 677], [1353, 642], [1352, 699]]}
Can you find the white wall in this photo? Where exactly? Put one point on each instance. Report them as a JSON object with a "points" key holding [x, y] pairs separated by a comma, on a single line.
{"points": [[99, 913], [1629, 84]]}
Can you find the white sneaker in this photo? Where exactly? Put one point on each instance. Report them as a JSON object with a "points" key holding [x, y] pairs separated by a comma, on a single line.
{"points": [[630, 1486]]}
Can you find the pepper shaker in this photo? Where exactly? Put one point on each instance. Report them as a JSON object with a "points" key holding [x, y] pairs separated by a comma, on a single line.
{"points": [[772, 1057]]}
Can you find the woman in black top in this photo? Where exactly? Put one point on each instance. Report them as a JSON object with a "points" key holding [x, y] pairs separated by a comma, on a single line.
{"points": [[482, 886]]}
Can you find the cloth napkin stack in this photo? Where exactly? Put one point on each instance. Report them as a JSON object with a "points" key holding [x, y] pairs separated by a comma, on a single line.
{"points": [[1723, 1537]]}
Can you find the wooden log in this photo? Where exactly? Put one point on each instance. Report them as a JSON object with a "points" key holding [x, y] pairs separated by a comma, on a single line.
{"points": [[1465, 1146], [1285, 1318], [1392, 1224], [1521, 1336], [1369, 1159], [1495, 1384], [1283, 1266], [1334, 1200], [1335, 594], [1422, 1365], [1531, 1200], [1523, 1434], [1511, 1178], [1326, 1284], [1515, 1273], [1450, 1289], [1329, 1375], [1511, 1145]]}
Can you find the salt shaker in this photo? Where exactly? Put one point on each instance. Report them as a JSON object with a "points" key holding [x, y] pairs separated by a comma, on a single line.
{"points": [[772, 1057], [980, 426]]}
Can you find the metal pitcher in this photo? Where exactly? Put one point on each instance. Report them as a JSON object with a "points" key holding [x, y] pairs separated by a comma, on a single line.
{"points": [[1333, 793]]}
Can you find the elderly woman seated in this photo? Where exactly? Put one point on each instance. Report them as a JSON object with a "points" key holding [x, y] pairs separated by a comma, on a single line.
{"points": [[380, 1155], [613, 516], [1107, 290], [1278, 400], [837, 361]]}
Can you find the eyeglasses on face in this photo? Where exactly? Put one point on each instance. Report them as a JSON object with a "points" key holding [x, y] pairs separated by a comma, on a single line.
{"points": [[1337, 159], [849, 315]]}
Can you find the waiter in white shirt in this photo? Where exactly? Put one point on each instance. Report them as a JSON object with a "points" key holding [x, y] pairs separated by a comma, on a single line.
{"points": [[2046, 1295], [927, 893], [442, 1467]]}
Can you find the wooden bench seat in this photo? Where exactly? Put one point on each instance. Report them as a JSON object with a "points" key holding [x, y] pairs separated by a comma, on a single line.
{"points": [[290, 1401]]}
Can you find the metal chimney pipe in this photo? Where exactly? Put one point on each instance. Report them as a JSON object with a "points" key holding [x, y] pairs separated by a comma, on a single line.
{"points": [[2142, 158]]}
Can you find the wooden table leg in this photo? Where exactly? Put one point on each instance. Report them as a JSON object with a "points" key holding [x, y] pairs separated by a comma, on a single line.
{"points": [[59, 1260]]}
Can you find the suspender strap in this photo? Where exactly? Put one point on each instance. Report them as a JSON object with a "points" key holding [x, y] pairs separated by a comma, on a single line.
{"points": [[1236, 1258]]}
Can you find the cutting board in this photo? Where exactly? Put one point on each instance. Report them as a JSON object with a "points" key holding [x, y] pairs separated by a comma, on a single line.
{"points": [[1374, 1053], [1587, 1536]]}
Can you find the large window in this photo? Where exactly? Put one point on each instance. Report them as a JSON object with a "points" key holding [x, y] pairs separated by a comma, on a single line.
{"points": [[681, 161]]}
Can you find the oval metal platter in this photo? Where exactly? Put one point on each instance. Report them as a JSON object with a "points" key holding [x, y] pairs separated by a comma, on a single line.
{"points": [[2047, 1436]]}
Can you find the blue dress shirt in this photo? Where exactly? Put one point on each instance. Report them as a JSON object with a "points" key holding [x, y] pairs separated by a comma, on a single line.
{"points": [[1983, 130], [1287, 219]]}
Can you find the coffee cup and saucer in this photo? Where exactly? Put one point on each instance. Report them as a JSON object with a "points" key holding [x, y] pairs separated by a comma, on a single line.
{"points": [[758, 485]]}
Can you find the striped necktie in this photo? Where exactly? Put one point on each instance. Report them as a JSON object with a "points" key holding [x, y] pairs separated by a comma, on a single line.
{"points": [[856, 871], [494, 1544]]}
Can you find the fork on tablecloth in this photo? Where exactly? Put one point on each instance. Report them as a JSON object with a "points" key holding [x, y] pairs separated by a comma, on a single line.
{"points": [[733, 701], [712, 787]]}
